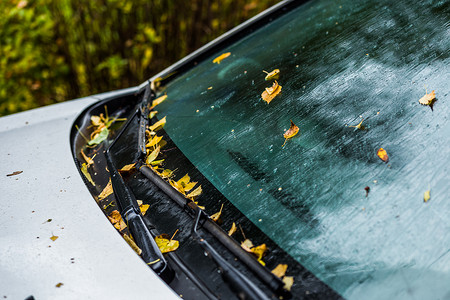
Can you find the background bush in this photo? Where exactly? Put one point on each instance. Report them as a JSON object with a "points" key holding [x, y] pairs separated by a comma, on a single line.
{"points": [[56, 50]]}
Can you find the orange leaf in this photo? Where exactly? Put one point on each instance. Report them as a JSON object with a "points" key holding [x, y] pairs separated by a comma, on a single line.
{"points": [[271, 92], [221, 57], [280, 270], [217, 216], [382, 154], [428, 98], [291, 132], [232, 229]]}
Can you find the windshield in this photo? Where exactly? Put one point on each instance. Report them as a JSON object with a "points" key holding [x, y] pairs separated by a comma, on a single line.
{"points": [[357, 222]]}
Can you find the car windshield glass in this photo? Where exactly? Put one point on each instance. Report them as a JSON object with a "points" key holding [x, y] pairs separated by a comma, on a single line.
{"points": [[356, 220]]}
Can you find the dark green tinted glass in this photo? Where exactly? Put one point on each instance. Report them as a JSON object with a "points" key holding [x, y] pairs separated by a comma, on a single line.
{"points": [[340, 61]]}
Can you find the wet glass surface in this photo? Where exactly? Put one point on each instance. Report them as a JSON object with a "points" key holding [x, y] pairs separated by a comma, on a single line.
{"points": [[340, 61]]}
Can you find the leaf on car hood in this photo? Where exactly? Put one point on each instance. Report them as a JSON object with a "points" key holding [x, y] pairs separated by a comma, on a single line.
{"points": [[99, 137], [132, 244], [158, 125], [280, 270], [290, 133], [84, 170], [382, 154], [116, 219], [152, 156], [288, 282], [232, 229], [217, 216], [275, 74], [54, 237], [88, 160], [158, 101], [108, 190], [195, 193], [426, 196], [260, 251], [127, 168], [428, 99], [221, 57], [271, 92], [166, 243]]}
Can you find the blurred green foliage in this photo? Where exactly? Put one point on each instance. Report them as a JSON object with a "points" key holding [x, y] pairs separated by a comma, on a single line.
{"points": [[55, 50]]}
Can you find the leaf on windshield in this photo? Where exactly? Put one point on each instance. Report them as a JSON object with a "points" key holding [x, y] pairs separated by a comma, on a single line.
{"points": [[291, 132], [152, 114], [260, 251], [232, 229], [158, 101], [221, 57], [154, 141], [89, 160], [116, 219], [280, 270], [217, 216], [359, 126], [108, 190], [152, 156], [99, 137], [132, 244], [84, 170], [288, 282], [158, 124], [382, 154], [428, 99], [195, 193], [275, 74], [166, 243], [127, 168], [426, 196], [271, 92]]}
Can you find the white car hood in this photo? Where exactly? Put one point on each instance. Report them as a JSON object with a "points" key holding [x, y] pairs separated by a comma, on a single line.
{"points": [[89, 257]]}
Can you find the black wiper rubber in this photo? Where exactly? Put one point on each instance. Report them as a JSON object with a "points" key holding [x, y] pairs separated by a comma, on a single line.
{"points": [[239, 283]]}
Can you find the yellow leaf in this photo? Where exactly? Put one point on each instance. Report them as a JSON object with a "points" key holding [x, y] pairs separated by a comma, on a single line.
{"points": [[189, 186], [195, 192], [428, 98], [154, 141], [120, 225], [166, 244], [144, 208], [127, 168], [84, 170], [232, 229], [382, 154], [167, 173], [280, 270], [116, 219], [359, 126], [54, 237], [158, 101], [158, 124], [260, 251], [426, 196], [275, 74], [157, 162], [89, 160], [291, 132], [152, 114], [108, 190], [96, 121], [217, 216], [132, 244], [184, 180], [288, 282], [221, 57], [247, 245], [271, 92], [152, 156]]}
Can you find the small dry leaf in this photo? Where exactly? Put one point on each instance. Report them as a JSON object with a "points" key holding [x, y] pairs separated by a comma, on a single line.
{"points": [[167, 173], [288, 282], [271, 92], [108, 190], [158, 101], [132, 244], [232, 229], [144, 208], [382, 154], [152, 114], [89, 160], [116, 219], [247, 245], [54, 237], [291, 132], [217, 216], [166, 244], [152, 156], [84, 170], [127, 168], [260, 251], [195, 192], [426, 196], [221, 57], [275, 74], [280, 270], [428, 98], [59, 284], [15, 173], [158, 124]]}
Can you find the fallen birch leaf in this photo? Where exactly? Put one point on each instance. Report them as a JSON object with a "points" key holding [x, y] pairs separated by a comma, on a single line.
{"points": [[127, 168], [221, 57], [54, 237], [275, 74], [271, 92], [14, 173], [100, 137], [152, 156], [185, 179], [86, 174], [59, 284], [288, 282], [291, 132], [116, 219], [166, 244], [108, 190], [280, 270], [260, 251], [132, 244], [88, 160], [157, 162], [382, 154], [247, 245], [154, 141], [195, 192], [428, 98], [426, 196], [144, 208], [152, 114], [217, 216], [167, 173], [158, 101], [232, 229], [160, 123]]}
